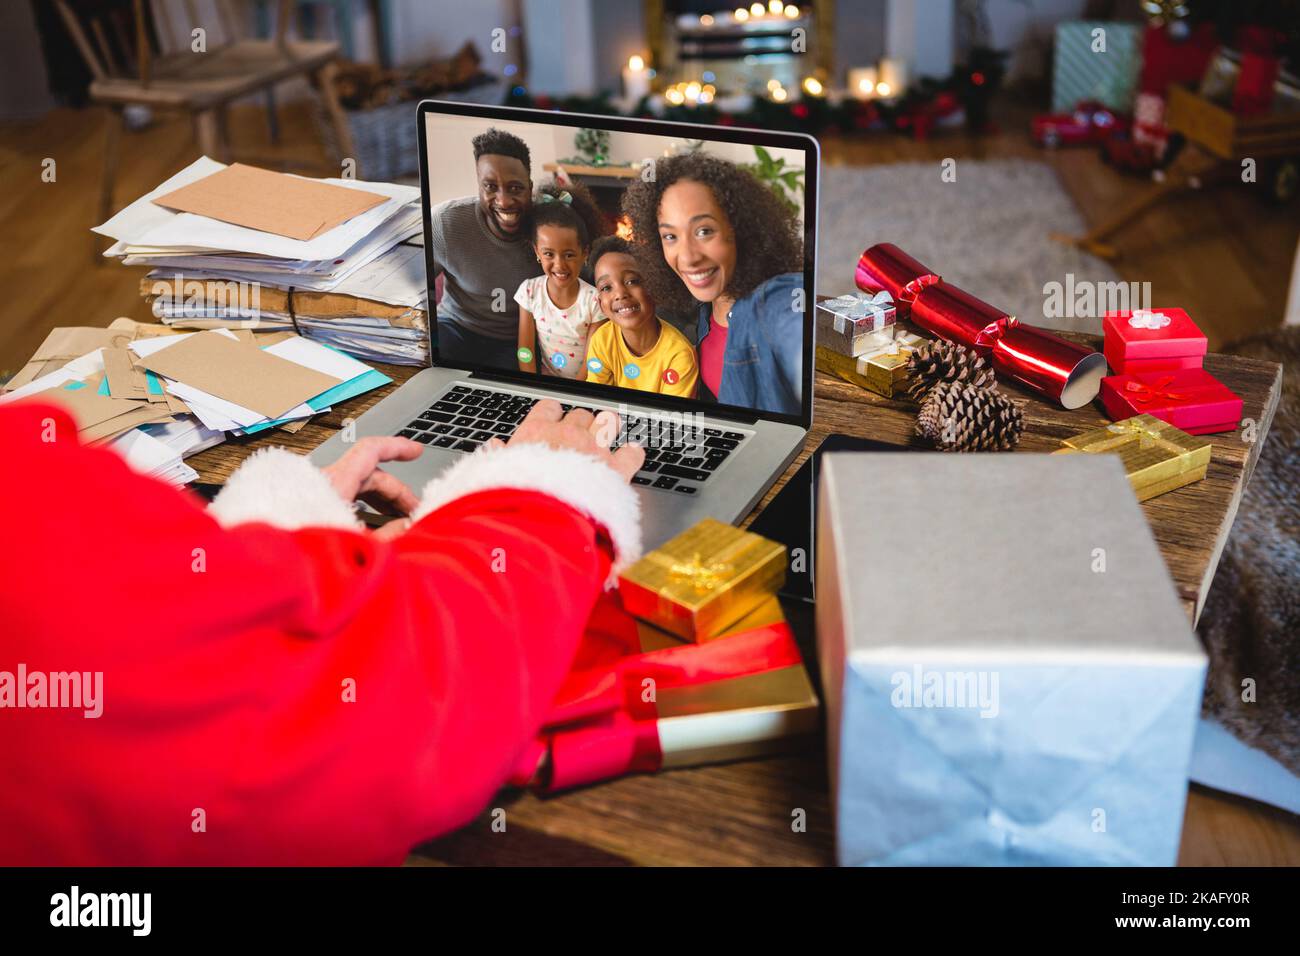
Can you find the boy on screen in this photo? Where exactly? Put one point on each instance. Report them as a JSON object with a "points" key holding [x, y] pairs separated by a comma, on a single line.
{"points": [[635, 348]]}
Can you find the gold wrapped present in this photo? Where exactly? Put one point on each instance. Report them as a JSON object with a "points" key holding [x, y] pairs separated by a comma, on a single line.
{"points": [[1157, 456], [737, 718], [704, 580], [883, 371]]}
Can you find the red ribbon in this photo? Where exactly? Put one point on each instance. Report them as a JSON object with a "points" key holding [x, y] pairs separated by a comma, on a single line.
{"points": [[1037, 359], [1159, 392], [601, 725]]}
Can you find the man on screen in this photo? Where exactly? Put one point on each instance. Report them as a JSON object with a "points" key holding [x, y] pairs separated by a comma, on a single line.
{"points": [[479, 244]]}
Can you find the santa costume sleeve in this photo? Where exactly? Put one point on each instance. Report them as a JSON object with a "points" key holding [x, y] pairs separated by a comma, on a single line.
{"points": [[264, 681]]}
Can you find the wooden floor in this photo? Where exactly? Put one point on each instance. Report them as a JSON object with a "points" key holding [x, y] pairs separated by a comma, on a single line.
{"points": [[1223, 256]]}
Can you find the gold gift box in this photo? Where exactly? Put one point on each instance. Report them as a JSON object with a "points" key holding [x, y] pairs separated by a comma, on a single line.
{"points": [[704, 580], [737, 718], [1157, 456], [883, 371]]}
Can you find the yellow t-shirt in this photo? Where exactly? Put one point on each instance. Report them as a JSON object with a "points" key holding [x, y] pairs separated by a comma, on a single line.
{"points": [[670, 367]]}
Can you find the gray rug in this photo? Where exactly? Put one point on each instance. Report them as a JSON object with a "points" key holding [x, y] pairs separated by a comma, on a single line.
{"points": [[987, 232]]}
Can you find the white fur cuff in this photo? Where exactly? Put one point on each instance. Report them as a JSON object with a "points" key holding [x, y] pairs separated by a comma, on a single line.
{"points": [[580, 481], [280, 488]]}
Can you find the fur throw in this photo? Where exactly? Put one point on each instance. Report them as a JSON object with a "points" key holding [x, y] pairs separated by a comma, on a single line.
{"points": [[1251, 622]]}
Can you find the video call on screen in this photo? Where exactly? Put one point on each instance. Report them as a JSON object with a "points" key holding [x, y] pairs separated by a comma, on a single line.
{"points": [[652, 263]]}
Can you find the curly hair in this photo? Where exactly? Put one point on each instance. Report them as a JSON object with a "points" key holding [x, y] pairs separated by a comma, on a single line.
{"points": [[580, 213], [497, 142], [606, 245], [768, 241]]}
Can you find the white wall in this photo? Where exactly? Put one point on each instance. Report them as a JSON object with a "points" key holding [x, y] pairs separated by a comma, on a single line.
{"points": [[1027, 29], [451, 152], [422, 29], [920, 33]]}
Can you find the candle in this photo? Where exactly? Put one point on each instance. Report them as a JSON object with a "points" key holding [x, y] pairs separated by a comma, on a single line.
{"points": [[862, 82], [893, 76], [636, 80]]}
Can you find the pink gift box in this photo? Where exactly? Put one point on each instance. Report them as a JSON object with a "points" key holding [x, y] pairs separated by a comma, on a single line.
{"points": [[1152, 340], [1190, 399]]}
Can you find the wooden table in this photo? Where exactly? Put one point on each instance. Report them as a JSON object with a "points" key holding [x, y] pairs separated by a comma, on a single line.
{"points": [[741, 813]]}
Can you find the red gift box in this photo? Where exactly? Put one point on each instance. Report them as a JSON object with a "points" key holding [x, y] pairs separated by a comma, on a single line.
{"points": [[1152, 340], [1190, 399]]}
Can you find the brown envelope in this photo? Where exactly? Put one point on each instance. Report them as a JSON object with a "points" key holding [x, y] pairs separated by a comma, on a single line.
{"points": [[138, 330], [87, 407], [267, 339], [66, 343], [271, 202], [123, 380], [111, 428], [174, 404], [239, 373], [60, 347]]}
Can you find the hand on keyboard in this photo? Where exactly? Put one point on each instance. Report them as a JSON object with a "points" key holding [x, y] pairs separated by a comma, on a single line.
{"points": [[578, 430], [357, 475]]}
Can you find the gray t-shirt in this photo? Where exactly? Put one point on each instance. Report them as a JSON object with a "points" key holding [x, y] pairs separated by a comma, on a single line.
{"points": [[475, 264]]}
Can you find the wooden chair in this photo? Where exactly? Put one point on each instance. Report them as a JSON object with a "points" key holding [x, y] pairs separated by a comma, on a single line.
{"points": [[201, 84]]}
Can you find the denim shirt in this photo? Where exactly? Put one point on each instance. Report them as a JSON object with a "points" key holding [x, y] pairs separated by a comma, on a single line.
{"points": [[762, 367]]}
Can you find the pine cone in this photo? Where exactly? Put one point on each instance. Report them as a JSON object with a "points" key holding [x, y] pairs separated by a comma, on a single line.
{"points": [[960, 417], [941, 361]]}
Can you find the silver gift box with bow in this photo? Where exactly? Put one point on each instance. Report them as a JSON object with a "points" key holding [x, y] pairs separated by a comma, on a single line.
{"points": [[856, 323]]}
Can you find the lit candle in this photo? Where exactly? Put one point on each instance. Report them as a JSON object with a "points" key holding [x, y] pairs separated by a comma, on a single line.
{"points": [[636, 80], [893, 76], [862, 82]]}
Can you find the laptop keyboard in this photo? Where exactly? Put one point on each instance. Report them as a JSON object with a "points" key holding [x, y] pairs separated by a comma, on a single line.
{"points": [[464, 418]]}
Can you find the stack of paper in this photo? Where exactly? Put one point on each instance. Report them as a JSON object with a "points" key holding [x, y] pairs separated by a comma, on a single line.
{"points": [[160, 398], [238, 247]]}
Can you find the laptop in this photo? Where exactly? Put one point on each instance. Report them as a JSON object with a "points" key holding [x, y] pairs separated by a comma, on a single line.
{"points": [[720, 420]]}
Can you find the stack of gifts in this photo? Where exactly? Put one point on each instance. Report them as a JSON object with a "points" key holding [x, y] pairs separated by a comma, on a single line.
{"points": [[858, 340], [1157, 355], [697, 665]]}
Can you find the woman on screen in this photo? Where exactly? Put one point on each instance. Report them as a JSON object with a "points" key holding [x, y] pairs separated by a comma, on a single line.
{"points": [[715, 239]]}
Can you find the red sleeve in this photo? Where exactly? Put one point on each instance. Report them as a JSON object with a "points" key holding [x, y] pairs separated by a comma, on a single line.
{"points": [[270, 696]]}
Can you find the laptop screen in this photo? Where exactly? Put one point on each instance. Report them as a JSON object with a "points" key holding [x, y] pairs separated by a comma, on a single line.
{"points": [[635, 260]]}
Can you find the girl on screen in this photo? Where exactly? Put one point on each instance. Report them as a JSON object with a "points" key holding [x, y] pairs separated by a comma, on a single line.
{"points": [[558, 309], [714, 239]]}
